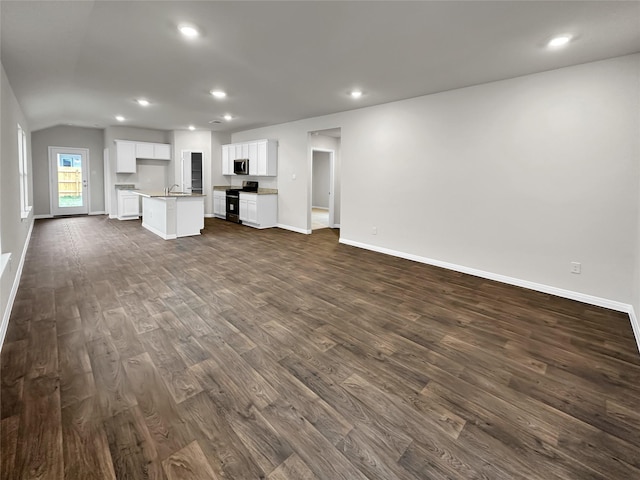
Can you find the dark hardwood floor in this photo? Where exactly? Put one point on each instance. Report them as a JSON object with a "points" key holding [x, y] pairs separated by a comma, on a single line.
{"points": [[264, 354]]}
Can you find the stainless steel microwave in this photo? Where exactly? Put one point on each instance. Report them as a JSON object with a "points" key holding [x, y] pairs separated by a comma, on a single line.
{"points": [[241, 166]]}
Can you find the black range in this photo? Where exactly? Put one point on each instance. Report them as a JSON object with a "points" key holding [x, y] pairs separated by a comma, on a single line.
{"points": [[233, 199]]}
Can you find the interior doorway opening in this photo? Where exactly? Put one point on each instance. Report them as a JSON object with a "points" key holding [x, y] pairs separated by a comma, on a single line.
{"points": [[324, 179]]}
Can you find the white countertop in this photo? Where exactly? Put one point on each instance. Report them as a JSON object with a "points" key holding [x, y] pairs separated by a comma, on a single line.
{"points": [[161, 194]]}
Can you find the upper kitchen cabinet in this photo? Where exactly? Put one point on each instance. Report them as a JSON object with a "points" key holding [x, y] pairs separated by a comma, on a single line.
{"points": [[125, 157], [144, 150], [262, 155], [127, 152], [153, 151], [162, 151], [227, 161]]}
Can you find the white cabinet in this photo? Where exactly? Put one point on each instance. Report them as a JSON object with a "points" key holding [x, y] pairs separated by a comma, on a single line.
{"points": [[128, 205], [260, 211], [220, 203], [227, 161], [125, 157], [127, 152], [162, 151], [153, 151], [144, 150], [267, 157], [262, 155]]}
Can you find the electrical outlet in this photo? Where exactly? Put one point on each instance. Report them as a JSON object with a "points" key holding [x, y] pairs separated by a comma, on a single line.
{"points": [[374, 231], [576, 267]]}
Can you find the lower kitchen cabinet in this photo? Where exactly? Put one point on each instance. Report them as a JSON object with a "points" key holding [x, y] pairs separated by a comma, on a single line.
{"points": [[220, 204], [259, 211], [128, 205]]}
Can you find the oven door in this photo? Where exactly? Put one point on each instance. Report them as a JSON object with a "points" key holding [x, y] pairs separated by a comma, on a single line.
{"points": [[233, 207]]}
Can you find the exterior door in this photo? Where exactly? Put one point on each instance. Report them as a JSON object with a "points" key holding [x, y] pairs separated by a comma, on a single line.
{"points": [[68, 179]]}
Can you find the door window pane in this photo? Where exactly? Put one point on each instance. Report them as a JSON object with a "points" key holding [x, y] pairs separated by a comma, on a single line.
{"points": [[69, 180]]}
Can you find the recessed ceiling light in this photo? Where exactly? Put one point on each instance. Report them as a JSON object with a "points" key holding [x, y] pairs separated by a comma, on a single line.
{"points": [[120, 118], [143, 102], [228, 117], [218, 93], [191, 127], [356, 93], [559, 41], [188, 31]]}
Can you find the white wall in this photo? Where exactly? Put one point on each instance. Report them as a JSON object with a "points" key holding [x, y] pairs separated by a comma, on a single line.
{"points": [[14, 231], [321, 179], [196, 141], [516, 178], [67, 136]]}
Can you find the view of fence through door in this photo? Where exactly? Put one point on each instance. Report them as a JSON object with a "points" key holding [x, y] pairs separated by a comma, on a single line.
{"points": [[69, 181]]}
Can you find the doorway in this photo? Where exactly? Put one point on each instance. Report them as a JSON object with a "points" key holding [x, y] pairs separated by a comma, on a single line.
{"points": [[192, 171], [322, 183], [69, 180]]}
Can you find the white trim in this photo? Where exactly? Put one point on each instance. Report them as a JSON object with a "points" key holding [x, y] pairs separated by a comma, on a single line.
{"points": [[159, 233], [559, 292], [44, 215], [294, 229], [4, 261], [98, 213], [14, 289], [113, 217], [635, 325], [209, 215], [336, 225]]}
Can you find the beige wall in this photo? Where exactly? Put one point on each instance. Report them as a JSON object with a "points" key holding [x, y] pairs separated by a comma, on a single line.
{"points": [[67, 136]]}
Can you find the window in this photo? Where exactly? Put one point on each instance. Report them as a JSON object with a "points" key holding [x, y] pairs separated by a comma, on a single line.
{"points": [[23, 167]]}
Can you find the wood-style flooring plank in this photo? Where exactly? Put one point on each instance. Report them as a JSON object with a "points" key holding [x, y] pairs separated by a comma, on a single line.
{"points": [[8, 445], [189, 463], [86, 448], [39, 452]]}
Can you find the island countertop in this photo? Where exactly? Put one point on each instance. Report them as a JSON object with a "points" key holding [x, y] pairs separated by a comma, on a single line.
{"points": [[161, 194]]}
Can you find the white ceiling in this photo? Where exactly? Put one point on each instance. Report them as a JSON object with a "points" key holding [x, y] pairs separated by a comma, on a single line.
{"points": [[83, 62]]}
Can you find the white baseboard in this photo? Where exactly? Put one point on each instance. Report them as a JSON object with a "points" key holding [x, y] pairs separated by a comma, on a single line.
{"points": [[559, 292], [294, 229], [336, 225], [14, 288], [98, 213], [113, 217], [209, 215], [635, 325], [45, 215], [159, 233]]}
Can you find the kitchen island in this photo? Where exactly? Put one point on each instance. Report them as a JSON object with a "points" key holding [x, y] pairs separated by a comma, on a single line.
{"points": [[172, 215]]}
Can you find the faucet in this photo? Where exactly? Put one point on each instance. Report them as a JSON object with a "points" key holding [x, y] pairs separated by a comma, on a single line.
{"points": [[167, 190]]}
